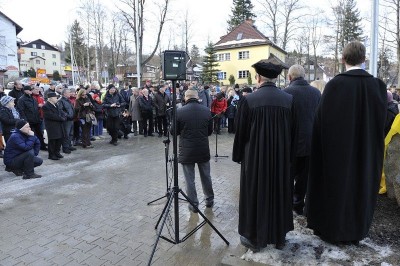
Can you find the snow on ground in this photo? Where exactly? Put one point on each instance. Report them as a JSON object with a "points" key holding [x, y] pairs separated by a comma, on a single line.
{"points": [[304, 248]]}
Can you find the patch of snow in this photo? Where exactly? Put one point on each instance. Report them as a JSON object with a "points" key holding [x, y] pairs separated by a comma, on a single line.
{"points": [[70, 189]]}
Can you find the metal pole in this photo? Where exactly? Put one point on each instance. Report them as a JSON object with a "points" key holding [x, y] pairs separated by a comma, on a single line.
{"points": [[175, 152], [138, 61], [72, 57], [373, 60]]}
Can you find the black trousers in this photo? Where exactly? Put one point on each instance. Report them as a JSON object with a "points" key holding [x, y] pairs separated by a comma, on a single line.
{"points": [[147, 120], [26, 161], [231, 125], [217, 123], [38, 133], [85, 134], [299, 174], [54, 146], [113, 124], [162, 125]]}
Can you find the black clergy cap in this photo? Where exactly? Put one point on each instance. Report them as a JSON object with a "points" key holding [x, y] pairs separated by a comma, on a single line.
{"points": [[270, 68]]}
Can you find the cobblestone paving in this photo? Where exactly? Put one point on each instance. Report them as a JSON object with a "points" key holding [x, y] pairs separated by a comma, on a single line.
{"points": [[90, 208]]}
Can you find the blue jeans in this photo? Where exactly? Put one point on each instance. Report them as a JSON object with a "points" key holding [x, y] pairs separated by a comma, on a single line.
{"points": [[205, 177], [98, 129]]}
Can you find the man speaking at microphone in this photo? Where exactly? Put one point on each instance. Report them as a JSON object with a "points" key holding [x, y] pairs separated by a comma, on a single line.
{"points": [[194, 125]]}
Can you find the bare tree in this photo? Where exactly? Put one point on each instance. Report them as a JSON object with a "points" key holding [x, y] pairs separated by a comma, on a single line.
{"points": [[128, 11], [393, 28], [291, 19], [269, 16], [315, 35]]}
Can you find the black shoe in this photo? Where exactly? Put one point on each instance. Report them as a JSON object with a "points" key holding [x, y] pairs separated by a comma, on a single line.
{"points": [[8, 169], [93, 139], [135, 134], [59, 156], [245, 242], [31, 176], [160, 135], [209, 204], [18, 172], [43, 149], [145, 135], [279, 246], [151, 135], [126, 137], [115, 143], [72, 148], [67, 151], [55, 158]]}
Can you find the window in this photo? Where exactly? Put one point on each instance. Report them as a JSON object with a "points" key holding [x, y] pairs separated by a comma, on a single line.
{"points": [[242, 74], [37, 62], [224, 57], [221, 75], [33, 54], [54, 56], [244, 55], [43, 47], [54, 63], [33, 45], [239, 36], [42, 54]]}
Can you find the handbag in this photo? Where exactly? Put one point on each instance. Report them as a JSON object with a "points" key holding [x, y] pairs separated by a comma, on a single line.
{"points": [[91, 118]]}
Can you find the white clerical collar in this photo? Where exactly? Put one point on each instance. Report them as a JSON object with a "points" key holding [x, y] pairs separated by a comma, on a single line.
{"points": [[353, 68]]}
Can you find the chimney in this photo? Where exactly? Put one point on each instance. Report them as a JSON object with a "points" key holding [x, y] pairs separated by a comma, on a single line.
{"points": [[250, 21]]}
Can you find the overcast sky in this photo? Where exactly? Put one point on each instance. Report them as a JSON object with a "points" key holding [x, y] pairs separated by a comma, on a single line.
{"points": [[48, 19]]}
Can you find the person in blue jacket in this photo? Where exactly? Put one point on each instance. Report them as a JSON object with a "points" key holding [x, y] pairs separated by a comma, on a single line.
{"points": [[22, 150]]}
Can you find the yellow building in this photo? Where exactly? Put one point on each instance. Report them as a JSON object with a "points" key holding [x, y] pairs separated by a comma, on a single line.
{"points": [[242, 47]]}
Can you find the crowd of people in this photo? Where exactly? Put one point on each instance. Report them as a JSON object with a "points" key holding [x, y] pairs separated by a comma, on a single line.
{"points": [[319, 155]]}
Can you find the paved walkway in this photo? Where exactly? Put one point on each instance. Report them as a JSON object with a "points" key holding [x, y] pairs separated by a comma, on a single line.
{"points": [[91, 208]]}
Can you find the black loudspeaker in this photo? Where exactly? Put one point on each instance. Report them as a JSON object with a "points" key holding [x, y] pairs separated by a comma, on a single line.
{"points": [[174, 65]]}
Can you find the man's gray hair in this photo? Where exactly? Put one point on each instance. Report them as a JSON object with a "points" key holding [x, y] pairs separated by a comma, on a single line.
{"points": [[296, 71], [64, 91]]}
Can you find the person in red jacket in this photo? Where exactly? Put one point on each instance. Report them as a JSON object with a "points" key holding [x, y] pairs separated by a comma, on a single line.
{"points": [[218, 108]]}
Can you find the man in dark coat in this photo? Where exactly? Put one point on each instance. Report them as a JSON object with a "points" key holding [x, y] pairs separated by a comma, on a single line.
{"points": [[17, 91], [266, 126], [194, 125], [29, 110], [146, 110], [67, 109], [113, 104], [347, 152], [161, 102], [306, 99], [53, 120]]}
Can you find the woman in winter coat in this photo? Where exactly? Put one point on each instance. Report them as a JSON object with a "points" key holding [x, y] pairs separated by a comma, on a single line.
{"points": [[230, 113], [113, 104], [134, 110], [83, 106], [218, 108], [8, 115]]}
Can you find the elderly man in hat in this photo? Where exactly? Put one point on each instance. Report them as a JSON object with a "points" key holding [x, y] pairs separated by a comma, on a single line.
{"points": [[29, 110], [22, 150], [263, 145], [53, 121]]}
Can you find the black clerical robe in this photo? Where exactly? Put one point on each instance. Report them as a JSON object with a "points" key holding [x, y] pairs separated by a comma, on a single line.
{"points": [[264, 146], [346, 156]]}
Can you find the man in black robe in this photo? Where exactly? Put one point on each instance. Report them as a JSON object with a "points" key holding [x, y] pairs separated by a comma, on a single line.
{"points": [[264, 146], [306, 99], [347, 152]]}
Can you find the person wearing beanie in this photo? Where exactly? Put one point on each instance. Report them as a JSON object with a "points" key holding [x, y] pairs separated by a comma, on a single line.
{"points": [[22, 150], [113, 104], [8, 116], [263, 142]]}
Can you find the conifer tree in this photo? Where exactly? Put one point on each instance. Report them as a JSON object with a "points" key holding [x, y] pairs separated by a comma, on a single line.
{"points": [[241, 11], [351, 22], [210, 64]]}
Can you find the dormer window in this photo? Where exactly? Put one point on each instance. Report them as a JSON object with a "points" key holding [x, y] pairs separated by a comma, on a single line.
{"points": [[239, 36], [43, 47], [33, 45]]}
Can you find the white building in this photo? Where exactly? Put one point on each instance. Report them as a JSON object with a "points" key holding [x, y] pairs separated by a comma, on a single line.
{"points": [[8, 48], [40, 55]]}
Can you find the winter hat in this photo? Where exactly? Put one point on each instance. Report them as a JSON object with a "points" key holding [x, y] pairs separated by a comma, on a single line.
{"points": [[28, 88], [6, 99], [51, 94], [20, 123]]}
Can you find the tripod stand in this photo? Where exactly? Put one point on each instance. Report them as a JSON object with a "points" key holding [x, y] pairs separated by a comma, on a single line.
{"points": [[173, 197], [216, 143], [167, 160]]}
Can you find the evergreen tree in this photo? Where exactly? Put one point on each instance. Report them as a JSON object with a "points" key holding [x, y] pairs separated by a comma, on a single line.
{"points": [[351, 30], [56, 75], [231, 80], [78, 44], [210, 64], [241, 11], [195, 54], [31, 73]]}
